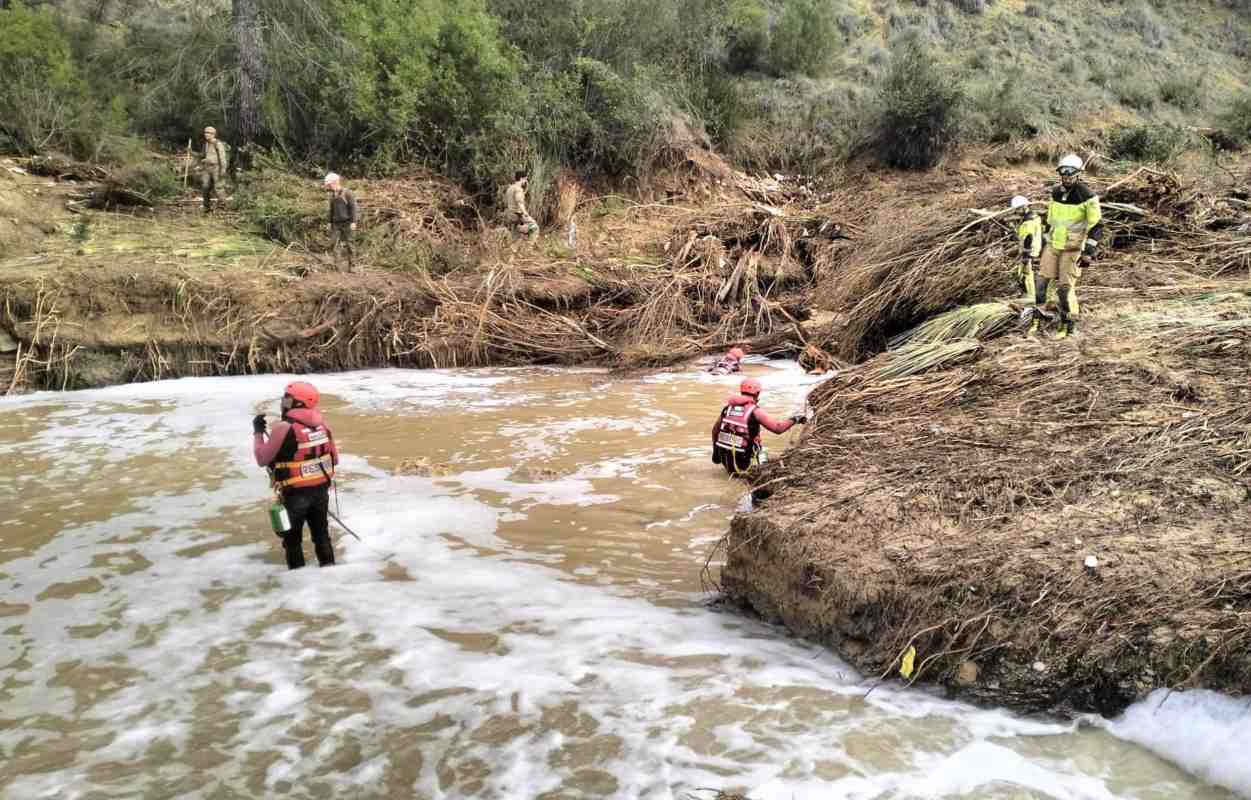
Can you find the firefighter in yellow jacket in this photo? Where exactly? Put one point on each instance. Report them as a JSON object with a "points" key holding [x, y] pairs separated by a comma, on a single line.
{"points": [[1029, 234], [1074, 227]]}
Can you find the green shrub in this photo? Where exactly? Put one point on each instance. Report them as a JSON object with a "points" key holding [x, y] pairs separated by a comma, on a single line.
{"points": [[285, 208], [154, 180], [919, 108], [748, 33], [1135, 93], [1100, 74], [1183, 92], [1002, 110], [41, 93], [1236, 120], [805, 37], [1152, 143]]}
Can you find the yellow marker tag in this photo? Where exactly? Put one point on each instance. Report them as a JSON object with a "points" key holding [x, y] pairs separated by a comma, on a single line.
{"points": [[905, 667]]}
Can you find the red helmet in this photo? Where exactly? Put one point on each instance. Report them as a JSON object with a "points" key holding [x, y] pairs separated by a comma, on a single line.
{"points": [[303, 393], [736, 352], [750, 387]]}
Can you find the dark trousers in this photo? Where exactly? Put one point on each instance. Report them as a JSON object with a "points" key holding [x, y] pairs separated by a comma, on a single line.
{"points": [[341, 237], [313, 507]]}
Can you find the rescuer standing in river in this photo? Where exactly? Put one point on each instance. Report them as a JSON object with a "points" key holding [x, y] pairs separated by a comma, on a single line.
{"points": [[301, 455], [730, 362], [736, 441]]}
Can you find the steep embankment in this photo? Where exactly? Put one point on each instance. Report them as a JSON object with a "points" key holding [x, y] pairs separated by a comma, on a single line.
{"points": [[1048, 524], [111, 297]]}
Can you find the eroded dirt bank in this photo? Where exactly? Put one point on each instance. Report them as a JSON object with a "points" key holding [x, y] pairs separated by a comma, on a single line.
{"points": [[1056, 525]]}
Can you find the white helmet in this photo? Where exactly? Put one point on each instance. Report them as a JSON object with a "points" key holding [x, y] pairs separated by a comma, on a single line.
{"points": [[1020, 201], [1071, 161], [331, 177]]}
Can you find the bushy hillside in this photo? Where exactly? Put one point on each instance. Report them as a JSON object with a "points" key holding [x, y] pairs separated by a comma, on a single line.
{"points": [[474, 88], [1027, 68]]}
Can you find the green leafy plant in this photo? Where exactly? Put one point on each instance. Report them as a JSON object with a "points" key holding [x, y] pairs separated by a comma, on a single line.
{"points": [[919, 108], [805, 37]]}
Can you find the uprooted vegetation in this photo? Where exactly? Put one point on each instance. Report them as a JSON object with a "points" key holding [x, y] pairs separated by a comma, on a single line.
{"points": [[1047, 525], [139, 298]]}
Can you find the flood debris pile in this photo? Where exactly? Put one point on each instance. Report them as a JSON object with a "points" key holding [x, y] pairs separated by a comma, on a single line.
{"points": [[642, 284], [1045, 525], [929, 255]]}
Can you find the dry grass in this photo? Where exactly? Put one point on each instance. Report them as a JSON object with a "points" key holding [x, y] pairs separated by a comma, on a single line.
{"points": [[949, 506], [953, 250]]}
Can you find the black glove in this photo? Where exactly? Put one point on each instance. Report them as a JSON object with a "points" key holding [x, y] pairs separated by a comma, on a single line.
{"points": [[259, 424], [1089, 250], [800, 419]]}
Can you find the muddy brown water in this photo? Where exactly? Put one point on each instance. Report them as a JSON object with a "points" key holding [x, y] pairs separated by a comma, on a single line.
{"points": [[524, 617]]}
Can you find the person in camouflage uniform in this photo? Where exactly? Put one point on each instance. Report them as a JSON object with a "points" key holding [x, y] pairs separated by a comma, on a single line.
{"points": [[212, 167], [519, 220]]}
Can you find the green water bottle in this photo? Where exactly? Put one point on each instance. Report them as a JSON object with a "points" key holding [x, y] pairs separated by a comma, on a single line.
{"points": [[278, 519]]}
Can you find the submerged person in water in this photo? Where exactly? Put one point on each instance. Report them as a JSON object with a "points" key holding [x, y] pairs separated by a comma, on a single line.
{"points": [[301, 455], [730, 362], [736, 441]]}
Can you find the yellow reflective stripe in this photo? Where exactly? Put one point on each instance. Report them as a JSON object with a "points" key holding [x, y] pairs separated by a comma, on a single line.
{"points": [[297, 464]]}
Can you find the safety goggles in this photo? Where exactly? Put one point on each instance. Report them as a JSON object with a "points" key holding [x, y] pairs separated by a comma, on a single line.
{"points": [[1067, 172]]}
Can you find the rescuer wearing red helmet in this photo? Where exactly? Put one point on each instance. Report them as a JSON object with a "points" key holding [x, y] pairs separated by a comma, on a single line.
{"points": [[728, 362], [301, 455], [736, 436]]}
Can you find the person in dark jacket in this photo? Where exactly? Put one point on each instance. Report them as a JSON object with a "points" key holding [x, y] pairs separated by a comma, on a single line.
{"points": [[301, 456], [344, 214]]}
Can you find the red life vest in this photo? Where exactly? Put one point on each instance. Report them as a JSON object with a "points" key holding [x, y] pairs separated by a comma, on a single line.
{"points": [[735, 430], [311, 465]]}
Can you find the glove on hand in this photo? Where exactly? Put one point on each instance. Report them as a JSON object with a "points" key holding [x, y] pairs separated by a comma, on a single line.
{"points": [[1089, 250], [800, 419], [258, 423]]}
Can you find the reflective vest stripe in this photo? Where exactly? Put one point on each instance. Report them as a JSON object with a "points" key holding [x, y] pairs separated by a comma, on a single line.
{"points": [[1070, 223], [304, 473]]}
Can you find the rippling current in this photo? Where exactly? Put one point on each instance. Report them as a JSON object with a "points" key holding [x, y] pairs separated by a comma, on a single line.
{"points": [[523, 619]]}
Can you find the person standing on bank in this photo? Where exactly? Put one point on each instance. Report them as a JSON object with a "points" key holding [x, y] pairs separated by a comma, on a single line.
{"points": [[301, 456], [212, 167], [1029, 240], [344, 214], [1075, 225], [519, 220]]}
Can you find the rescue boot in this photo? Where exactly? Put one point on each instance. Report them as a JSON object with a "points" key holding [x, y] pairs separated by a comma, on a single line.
{"points": [[1066, 321]]}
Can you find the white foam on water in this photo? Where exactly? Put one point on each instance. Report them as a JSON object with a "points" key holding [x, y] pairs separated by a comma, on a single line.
{"points": [[1206, 732], [479, 654]]}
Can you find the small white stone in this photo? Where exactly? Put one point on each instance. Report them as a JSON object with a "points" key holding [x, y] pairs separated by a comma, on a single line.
{"points": [[1092, 562], [1076, 540], [1040, 666]]}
